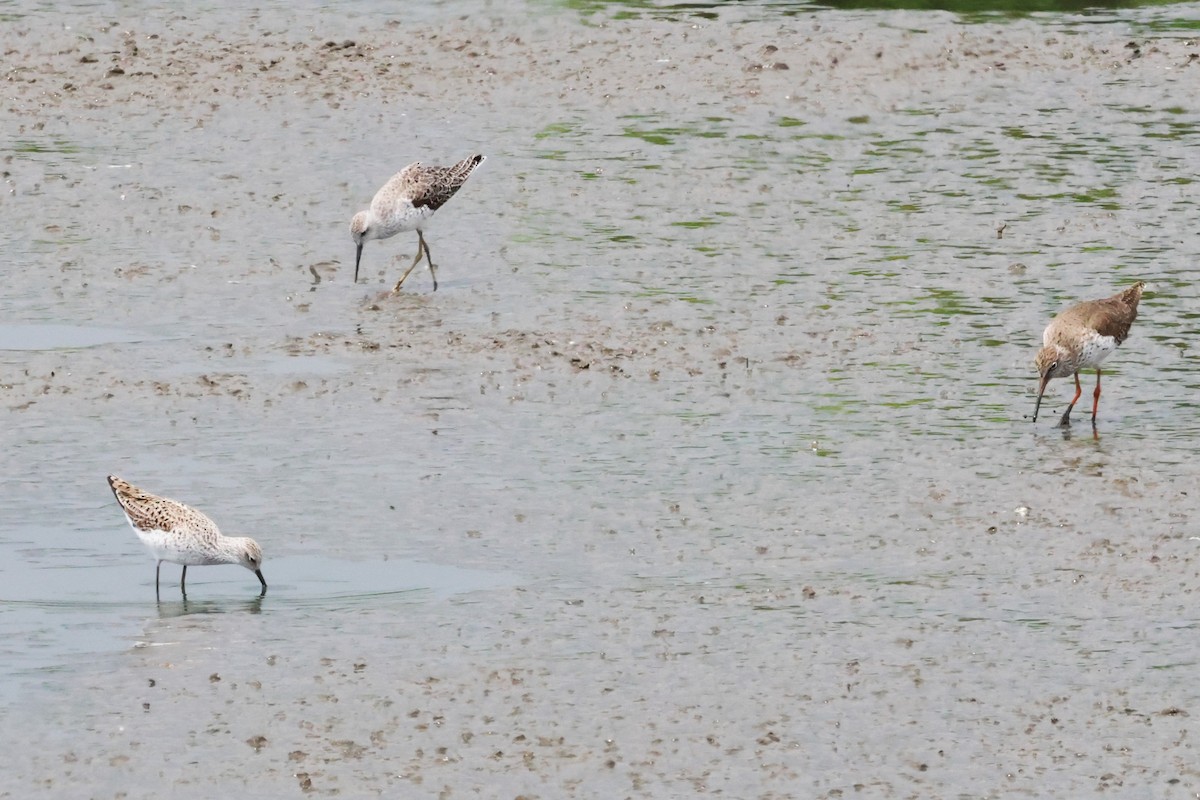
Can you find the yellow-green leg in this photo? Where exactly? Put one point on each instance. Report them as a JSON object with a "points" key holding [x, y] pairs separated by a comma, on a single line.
{"points": [[422, 249]]}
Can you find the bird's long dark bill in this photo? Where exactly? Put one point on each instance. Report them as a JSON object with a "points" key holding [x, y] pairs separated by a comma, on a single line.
{"points": [[1041, 391], [357, 261], [261, 579]]}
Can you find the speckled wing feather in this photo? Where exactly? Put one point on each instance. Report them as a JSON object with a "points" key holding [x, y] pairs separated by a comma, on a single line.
{"points": [[149, 512], [433, 186], [1114, 315]]}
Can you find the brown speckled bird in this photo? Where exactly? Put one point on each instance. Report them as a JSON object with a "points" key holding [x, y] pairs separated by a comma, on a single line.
{"points": [[182, 535], [1082, 336], [406, 203]]}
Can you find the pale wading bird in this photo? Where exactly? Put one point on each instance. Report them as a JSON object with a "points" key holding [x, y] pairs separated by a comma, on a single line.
{"points": [[406, 203], [1081, 337], [177, 533]]}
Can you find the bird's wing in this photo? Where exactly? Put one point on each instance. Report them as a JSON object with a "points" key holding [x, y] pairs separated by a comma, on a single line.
{"points": [[1111, 317], [433, 186], [399, 185], [150, 512], [424, 187]]}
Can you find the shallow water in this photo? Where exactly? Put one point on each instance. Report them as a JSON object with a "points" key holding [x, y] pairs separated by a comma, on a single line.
{"points": [[707, 469]]}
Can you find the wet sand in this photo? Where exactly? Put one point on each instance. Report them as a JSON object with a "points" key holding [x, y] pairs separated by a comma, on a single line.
{"points": [[724, 385]]}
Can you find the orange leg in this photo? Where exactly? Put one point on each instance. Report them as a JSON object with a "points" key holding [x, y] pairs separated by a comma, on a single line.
{"points": [[1096, 398], [1066, 417]]}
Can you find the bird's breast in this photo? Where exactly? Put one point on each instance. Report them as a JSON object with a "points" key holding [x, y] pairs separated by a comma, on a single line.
{"points": [[402, 217], [1094, 349]]}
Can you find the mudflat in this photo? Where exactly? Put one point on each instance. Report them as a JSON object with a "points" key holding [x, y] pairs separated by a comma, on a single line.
{"points": [[705, 471]]}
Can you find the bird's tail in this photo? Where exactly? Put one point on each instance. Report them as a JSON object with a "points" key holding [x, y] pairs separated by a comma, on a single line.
{"points": [[464, 168], [1133, 295]]}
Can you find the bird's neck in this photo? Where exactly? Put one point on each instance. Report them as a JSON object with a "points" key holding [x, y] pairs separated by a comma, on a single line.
{"points": [[1068, 360]]}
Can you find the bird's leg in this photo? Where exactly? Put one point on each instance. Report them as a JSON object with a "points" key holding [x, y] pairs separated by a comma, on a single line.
{"points": [[429, 258], [183, 581], [1096, 398], [417, 260], [157, 569], [1066, 417]]}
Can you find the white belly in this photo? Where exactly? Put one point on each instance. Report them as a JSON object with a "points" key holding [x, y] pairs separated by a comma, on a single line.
{"points": [[1095, 349], [176, 547], [403, 217]]}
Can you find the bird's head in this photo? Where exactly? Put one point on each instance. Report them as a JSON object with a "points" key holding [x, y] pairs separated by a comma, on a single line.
{"points": [[1052, 361], [250, 556], [359, 227], [1046, 362], [360, 231]]}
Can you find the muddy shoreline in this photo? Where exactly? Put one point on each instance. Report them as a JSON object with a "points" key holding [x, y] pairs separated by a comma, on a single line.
{"points": [[725, 377]]}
